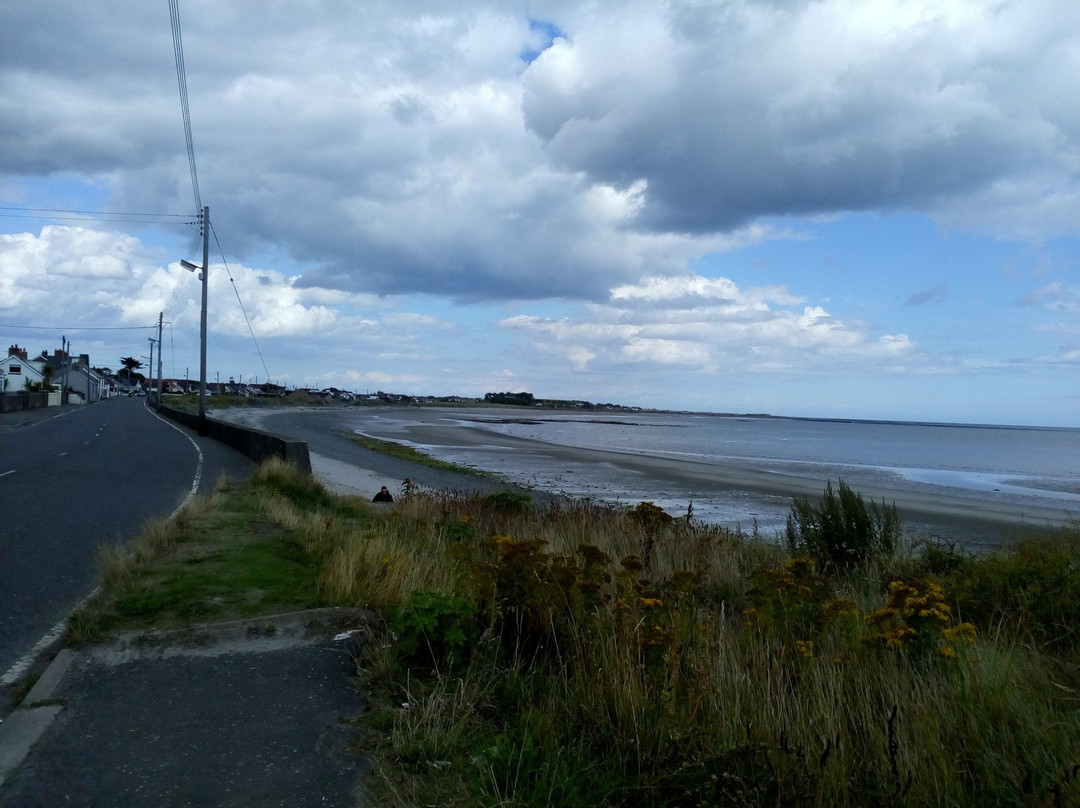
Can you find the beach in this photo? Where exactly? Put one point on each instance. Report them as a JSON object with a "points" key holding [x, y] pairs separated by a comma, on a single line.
{"points": [[746, 488]]}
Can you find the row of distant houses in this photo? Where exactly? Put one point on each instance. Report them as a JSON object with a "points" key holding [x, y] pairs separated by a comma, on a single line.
{"points": [[73, 380], [71, 376]]}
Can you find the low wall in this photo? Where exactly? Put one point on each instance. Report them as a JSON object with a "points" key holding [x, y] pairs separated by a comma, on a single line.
{"points": [[23, 400], [254, 443]]}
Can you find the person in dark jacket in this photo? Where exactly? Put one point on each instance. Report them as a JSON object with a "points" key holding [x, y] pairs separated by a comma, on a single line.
{"points": [[384, 495]]}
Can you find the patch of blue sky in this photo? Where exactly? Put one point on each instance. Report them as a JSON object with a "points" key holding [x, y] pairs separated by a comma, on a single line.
{"points": [[65, 200], [857, 262], [952, 293], [53, 191], [545, 34]]}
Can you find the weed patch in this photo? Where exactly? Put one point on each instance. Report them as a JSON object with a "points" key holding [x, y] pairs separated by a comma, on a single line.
{"points": [[399, 450]]}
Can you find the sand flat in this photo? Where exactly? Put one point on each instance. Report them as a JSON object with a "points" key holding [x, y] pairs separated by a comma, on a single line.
{"points": [[936, 513]]}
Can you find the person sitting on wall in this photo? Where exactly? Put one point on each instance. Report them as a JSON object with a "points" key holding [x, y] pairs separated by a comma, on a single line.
{"points": [[384, 495]]}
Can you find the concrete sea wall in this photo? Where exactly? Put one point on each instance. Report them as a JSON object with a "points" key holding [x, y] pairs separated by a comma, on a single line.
{"points": [[253, 443]]}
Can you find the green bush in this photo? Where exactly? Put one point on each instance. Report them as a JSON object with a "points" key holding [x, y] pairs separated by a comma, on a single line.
{"points": [[1030, 590], [843, 532], [434, 629], [508, 502]]}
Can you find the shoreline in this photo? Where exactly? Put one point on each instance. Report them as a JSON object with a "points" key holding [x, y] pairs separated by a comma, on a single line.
{"points": [[968, 521]]}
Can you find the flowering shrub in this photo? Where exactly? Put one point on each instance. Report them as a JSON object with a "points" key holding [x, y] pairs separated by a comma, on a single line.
{"points": [[650, 516], [916, 617], [795, 604], [527, 593]]}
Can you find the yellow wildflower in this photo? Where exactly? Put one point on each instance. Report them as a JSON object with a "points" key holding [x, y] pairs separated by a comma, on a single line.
{"points": [[963, 633], [841, 607]]}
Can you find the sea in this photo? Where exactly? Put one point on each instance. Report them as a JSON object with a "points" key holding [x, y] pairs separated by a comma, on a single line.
{"points": [[1023, 466]]}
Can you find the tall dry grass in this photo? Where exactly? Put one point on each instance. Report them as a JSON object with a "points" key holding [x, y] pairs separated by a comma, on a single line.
{"points": [[117, 561], [654, 687]]}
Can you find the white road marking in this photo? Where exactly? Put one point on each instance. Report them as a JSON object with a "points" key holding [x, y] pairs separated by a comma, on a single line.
{"points": [[15, 673], [6, 473], [22, 665], [198, 469]]}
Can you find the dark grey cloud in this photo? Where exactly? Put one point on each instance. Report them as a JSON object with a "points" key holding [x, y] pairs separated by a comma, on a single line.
{"points": [[743, 114]]}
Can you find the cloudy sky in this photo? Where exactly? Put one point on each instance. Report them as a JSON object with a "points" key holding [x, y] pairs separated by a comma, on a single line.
{"points": [[839, 208]]}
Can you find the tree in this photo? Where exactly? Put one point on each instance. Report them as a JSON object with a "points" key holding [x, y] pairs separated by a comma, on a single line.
{"points": [[130, 364], [518, 399]]}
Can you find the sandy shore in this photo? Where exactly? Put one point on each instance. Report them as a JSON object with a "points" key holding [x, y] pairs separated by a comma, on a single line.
{"points": [[338, 476], [973, 521]]}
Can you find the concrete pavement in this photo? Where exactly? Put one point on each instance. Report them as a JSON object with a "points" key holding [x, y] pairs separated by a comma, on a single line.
{"points": [[248, 713]]}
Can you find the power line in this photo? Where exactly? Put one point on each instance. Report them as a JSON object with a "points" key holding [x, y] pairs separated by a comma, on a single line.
{"points": [[96, 212], [76, 329], [181, 81], [86, 219], [241, 302]]}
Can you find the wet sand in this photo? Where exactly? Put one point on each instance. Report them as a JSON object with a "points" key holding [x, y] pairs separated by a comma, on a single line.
{"points": [[973, 521], [939, 514]]}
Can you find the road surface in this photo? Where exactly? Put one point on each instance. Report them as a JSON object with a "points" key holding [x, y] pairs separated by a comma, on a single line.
{"points": [[74, 480]]}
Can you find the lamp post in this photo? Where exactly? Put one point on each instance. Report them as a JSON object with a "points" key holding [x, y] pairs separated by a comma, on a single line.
{"points": [[202, 322]]}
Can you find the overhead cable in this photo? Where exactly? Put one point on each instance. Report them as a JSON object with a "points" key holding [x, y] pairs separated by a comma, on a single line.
{"points": [[74, 328], [181, 80], [241, 302]]}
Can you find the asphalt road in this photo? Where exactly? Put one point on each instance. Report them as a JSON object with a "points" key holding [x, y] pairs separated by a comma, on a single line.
{"points": [[74, 480]]}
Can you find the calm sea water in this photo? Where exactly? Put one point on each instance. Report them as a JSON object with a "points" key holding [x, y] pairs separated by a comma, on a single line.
{"points": [[1028, 466]]}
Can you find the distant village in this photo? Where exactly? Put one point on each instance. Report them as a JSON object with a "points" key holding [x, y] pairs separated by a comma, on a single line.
{"points": [[30, 381]]}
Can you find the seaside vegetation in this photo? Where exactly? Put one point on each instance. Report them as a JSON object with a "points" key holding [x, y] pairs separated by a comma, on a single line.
{"points": [[403, 452], [575, 654]]}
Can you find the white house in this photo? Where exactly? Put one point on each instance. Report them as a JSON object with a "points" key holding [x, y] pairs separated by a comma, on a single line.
{"points": [[20, 370], [82, 379]]}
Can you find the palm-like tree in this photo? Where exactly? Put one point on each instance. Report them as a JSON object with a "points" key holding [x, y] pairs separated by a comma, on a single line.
{"points": [[130, 364]]}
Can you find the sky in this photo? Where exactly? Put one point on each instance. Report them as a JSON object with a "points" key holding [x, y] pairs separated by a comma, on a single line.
{"points": [[821, 208]]}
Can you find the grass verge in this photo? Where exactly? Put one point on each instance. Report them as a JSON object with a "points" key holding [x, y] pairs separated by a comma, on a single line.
{"points": [[223, 557]]}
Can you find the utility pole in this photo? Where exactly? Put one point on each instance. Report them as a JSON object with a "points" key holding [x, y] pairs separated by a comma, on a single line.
{"points": [[160, 317], [205, 270], [150, 367], [202, 323]]}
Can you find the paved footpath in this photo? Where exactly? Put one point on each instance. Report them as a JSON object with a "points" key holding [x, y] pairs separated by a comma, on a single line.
{"points": [[250, 713]]}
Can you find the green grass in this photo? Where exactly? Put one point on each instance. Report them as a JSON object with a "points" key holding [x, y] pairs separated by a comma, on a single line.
{"points": [[403, 452], [228, 560]]}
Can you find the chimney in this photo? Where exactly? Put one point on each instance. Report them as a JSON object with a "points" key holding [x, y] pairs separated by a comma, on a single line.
{"points": [[15, 350]]}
